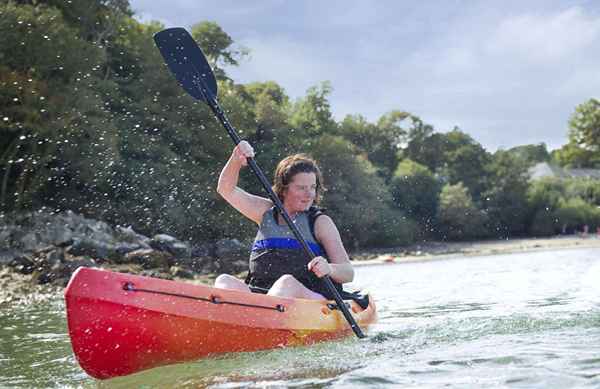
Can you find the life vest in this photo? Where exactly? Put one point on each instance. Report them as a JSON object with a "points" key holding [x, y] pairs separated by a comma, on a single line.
{"points": [[277, 252]]}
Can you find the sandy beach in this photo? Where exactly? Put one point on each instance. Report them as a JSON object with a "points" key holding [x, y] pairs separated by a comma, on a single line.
{"points": [[427, 251]]}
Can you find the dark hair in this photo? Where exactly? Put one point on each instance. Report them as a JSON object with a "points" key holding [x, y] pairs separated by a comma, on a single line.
{"points": [[288, 167]]}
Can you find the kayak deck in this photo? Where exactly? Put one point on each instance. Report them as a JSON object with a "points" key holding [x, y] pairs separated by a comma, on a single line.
{"points": [[120, 324]]}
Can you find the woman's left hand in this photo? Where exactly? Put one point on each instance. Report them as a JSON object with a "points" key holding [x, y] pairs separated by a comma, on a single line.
{"points": [[320, 267]]}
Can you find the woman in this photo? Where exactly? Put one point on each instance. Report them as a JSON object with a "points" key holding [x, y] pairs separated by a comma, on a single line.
{"points": [[278, 265]]}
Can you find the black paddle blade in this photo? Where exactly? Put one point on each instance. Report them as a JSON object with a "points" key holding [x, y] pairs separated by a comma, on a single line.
{"points": [[187, 62]]}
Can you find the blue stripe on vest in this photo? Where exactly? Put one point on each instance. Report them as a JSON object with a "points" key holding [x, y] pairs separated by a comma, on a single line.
{"points": [[284, 243]]}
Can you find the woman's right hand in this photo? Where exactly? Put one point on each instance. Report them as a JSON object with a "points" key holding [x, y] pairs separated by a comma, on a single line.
{"points": [[242, 151]]}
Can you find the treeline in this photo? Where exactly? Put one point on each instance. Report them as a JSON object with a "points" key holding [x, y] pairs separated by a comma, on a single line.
{"points": [[92, 121]]}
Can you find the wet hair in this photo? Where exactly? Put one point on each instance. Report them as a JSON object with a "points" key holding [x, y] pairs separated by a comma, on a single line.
{"points": [[288, 167]]}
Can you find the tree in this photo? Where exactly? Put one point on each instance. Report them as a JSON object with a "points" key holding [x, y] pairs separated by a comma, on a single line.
{"points": [[467, 164], [218, 47], [458, 218], [583, 149], [585, 125], [573, 156], [270, 104], [357, 197], [531, 154], [544, 197], [415, 191], [505, 199], [311, 116], [380, 142]]}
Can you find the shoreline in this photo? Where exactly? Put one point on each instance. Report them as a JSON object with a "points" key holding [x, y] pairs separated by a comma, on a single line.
{"points": [[431, 251], [18, 288]]}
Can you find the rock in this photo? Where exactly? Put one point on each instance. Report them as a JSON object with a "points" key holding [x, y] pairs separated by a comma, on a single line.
{"points": [[5, 233], [128, 235], [46, 276], [93, 229], [203, 250], [31, 242], [179, 272], [156, 274], [68, 267], [55, 234], [150, 259], [23, 264], [124, 248], [57, 255], [95, 249], [203, 265], [230, 249], [231, 256], [8, 255], [164, 242]]}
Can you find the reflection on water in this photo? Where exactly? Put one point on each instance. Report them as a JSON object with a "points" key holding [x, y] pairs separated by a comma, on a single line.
{"points": [[522, 320]]}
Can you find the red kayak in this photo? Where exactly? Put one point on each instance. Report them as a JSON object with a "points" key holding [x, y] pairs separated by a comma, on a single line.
{"points": [[120, 324]]}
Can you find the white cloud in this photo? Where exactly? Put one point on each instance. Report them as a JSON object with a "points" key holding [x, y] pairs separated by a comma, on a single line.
{"points": [[507, 73], [541, 38]]}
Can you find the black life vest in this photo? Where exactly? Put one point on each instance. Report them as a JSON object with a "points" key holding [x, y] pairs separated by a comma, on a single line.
{"points": [[276, 252]]}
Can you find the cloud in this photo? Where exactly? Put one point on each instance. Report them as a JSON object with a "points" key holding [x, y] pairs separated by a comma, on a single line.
{"points": [[507, 73], [539, 39]]}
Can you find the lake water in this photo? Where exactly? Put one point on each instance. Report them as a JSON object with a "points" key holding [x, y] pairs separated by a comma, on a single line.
{"points": [[521, 320]]}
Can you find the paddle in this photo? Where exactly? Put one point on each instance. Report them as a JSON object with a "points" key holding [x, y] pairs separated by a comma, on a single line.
{"points": [[190, 67]]}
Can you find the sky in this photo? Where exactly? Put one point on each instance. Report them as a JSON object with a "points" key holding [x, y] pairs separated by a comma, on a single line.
{"points": [[506, 72]]}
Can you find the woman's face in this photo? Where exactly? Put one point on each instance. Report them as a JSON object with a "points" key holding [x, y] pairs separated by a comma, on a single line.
{"points": [[300, 193]]}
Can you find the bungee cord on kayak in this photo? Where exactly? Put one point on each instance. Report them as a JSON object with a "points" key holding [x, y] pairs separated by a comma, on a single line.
{"points": [[130, 287]]}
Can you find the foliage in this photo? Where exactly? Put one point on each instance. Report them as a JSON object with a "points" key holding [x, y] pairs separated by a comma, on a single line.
{"points": [[358, 197], [380, 142], [560, 206], [415, 191], [91, 120], [311, 116], [583, 149], [585, 125], [218, 47], [574, 213], [531, 154], [505, 199], [458, 217]]}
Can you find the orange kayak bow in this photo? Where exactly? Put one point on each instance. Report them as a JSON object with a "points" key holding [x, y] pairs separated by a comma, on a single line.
{"points": [[120, 324]]}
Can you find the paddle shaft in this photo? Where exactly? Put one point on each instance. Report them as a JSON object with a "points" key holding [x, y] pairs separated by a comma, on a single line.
{"points": [[214, 105]]}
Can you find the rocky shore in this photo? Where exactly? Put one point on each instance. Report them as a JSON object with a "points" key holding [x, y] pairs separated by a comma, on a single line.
{"points": [[39, 252]]}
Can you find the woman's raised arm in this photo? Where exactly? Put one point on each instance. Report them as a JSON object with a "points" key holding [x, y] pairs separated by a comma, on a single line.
{"points": [[249, 205]]}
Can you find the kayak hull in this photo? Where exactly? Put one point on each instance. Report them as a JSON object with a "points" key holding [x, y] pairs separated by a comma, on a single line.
{"points": [[120, 324]]}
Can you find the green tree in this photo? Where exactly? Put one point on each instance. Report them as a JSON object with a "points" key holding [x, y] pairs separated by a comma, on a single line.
{"points": [[458, 218], [311, 116], [415, 191], [467, 164], [573, 156], [505, 199], [218, 47], [531, 154], [269, 103], [357, 197], [585, 125], [544, 197], [574, 213], [380, 142], [583, 149]]}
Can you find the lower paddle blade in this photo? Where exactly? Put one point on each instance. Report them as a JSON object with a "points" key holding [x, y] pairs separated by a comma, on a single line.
{"points": [[187, 62]]}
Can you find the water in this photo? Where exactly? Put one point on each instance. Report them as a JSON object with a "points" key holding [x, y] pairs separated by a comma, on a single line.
{"points": [[521, 320]]}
